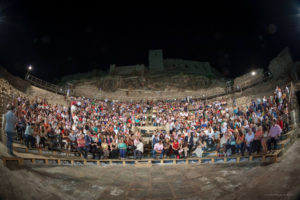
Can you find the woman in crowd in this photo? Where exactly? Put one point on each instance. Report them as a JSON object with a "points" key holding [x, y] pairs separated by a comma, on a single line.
{"points": [[122, 147], [231, 143], [167, 148], [81, 144], [175, 148], [240, 138], [114, 150], [257, 139], [201, 145], [105, 149], [264, 140]]}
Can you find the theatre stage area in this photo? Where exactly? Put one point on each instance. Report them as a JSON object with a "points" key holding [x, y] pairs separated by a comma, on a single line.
{"points": [[279, 180]]}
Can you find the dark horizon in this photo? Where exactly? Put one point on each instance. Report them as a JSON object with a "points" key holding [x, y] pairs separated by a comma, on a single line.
{"points": [[60, 39]]}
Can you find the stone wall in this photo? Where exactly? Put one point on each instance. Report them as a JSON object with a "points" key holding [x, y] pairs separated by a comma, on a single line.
{"points": [[188, 66], [51, 97], [281, 64], [91, 91], [14, 81], [156, 61], [296, 71], [249, 78], [127, 70], [16, 86]]}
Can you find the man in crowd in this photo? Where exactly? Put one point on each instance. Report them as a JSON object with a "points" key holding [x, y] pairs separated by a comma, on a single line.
{"points": [[274, 133], [10, 124], [88, 141], [158, 148], [29, 135], [249, 140]]}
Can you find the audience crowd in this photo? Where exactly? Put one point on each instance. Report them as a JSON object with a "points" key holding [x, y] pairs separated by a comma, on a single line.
{"points": [[107, 129]]}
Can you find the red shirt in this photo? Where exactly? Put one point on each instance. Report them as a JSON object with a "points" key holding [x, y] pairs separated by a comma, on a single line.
{"points": [[80, 142], [175, 145], [258, 134], [280, 123]]}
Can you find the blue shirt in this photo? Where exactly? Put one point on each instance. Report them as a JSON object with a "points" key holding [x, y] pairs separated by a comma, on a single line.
{"points": [[10, 122]]}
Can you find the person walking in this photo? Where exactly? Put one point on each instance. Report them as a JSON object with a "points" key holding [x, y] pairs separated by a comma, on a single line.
{"points": [[10, 124]]}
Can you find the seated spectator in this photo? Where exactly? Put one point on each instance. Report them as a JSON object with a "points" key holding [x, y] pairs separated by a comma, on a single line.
{"points": [[248, 140], [21, 127], [185, 148], [138, 152], [36, 135], [264, 141], [114, 153], [180, 151], [155, 139], [72, 141], [230, 144], [257, 140], [122, 147], [105, 150], [199, 149], [158, 148], [81, 144], [94, 145], [189, 139], [28, 136], [167, 148], [223, 142], [240, 138], [130, 145], [175, 148]]}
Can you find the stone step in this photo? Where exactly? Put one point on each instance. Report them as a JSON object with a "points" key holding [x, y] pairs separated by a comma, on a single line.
{"points": [[143, 164]]}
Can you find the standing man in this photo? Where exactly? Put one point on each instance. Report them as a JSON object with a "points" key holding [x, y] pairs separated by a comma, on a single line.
{"points": [[274, 134], [10, 124], [88, 142]]}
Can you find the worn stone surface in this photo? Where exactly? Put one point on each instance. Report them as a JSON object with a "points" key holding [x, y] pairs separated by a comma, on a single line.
{"points": [[282, 63], [280, 180]]}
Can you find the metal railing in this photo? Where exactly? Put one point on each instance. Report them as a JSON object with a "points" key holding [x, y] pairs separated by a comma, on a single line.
{"points": [[46, 85]]}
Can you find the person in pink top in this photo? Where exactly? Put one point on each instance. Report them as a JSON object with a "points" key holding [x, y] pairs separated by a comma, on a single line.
{"points": [[81, 144], [256, 145], [158, 148]]}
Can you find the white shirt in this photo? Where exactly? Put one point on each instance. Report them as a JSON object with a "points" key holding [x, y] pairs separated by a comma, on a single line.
{"points": [[140, 147], [249, 138], [158, 147]]}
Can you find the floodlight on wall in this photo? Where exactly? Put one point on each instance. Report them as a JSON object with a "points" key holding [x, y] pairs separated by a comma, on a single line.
{"points": [[29, 68], [253, 73]]}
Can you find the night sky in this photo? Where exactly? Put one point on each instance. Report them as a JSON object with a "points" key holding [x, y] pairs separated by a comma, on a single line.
{"points": [[64, 38]]}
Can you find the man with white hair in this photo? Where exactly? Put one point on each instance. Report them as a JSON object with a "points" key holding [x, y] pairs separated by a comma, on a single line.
{"points": [[10, 124]]}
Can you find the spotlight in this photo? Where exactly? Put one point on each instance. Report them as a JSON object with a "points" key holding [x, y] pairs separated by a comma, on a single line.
{"points": [[253, 73], [30, 68]]}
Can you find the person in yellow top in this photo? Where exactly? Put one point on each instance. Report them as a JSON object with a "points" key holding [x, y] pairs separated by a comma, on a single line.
{"points": [[105, 149]]}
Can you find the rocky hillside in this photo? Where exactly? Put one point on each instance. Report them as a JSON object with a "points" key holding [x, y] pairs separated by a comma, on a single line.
{"points": [[153, 82]]}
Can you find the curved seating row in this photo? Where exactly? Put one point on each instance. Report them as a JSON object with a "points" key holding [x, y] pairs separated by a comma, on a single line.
{"points": [[57, 159]]}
